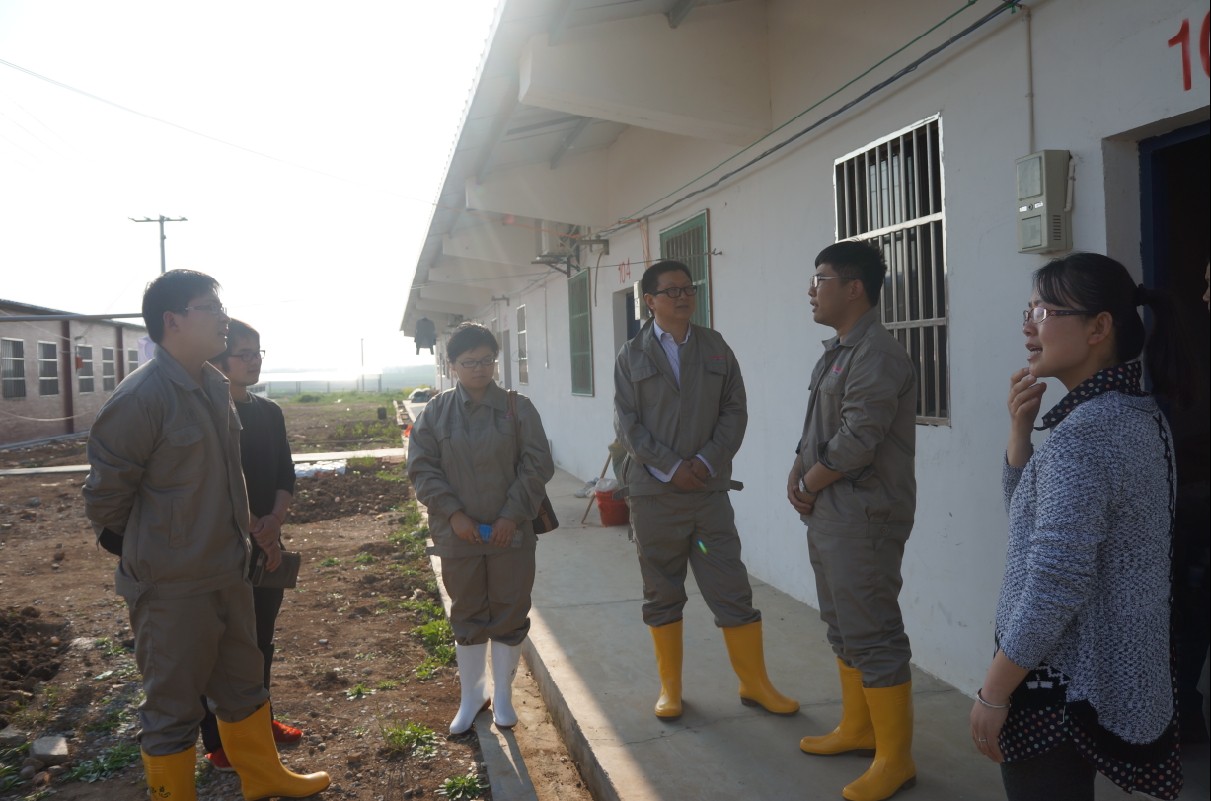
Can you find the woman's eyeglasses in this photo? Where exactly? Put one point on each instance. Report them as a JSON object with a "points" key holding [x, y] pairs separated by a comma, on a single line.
{"points": [[1038, 314]]}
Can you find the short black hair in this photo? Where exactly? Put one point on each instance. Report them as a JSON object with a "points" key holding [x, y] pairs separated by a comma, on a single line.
{"points": [[857, 261], [236, 329], [469, 336], [651, 276], [172, 291]]}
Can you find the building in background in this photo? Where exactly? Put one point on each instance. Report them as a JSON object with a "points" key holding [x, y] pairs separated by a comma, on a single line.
{"points": [[56, 372], [971, 141]]}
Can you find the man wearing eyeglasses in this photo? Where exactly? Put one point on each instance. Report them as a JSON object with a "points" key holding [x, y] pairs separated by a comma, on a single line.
{"points": [[680, 413], [166, 492], [269, 475], [853, 483]]}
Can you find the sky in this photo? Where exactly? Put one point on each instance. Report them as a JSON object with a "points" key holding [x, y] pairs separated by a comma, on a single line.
{"points": [[304, 141]]}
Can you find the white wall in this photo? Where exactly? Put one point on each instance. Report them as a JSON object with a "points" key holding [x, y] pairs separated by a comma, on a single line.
{"points": [[1100, 69]]}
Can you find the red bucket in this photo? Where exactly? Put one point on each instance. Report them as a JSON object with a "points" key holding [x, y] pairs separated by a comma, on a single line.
{"points": [[614, 511]]}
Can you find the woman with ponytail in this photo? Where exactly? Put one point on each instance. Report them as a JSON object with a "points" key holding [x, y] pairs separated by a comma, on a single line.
{"points": [[1082, 678]]}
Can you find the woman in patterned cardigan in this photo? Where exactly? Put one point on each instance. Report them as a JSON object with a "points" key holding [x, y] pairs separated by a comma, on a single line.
{"points": [[1082, 681]]}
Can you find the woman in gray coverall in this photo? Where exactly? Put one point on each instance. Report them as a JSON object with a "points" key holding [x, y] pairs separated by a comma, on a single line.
{"points": [[482, 475]]}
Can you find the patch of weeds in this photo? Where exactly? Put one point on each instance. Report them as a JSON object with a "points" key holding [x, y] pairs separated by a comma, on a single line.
{"points": [[428, 668], [308, 399], [365, 558], [435, 633], [362, 464], [386, 684], [426, 608], [391, 475], [463, 788], [109, 762], [411, 739], [359, 691], [331, 561]]}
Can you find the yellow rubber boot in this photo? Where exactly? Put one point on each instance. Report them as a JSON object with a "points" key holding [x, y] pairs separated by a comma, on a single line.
{"points": [[746, 649], [855, 732], [667, 640], [171, 777], [251, 751], [892, 768]]}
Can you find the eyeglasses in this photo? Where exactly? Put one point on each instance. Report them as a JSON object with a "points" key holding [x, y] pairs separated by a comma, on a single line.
{"points": [[471, 364], [217, 309], [249, 356], [816, 279], [675, 292], [1037, 314]]}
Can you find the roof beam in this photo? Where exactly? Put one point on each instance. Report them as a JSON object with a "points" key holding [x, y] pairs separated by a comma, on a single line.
{"points": [[680, 10], [559, 22], [569, 138]]}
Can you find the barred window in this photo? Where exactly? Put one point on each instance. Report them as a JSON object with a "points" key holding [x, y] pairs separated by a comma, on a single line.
{"points": [[109, 375], [132, 360], [84, 367], [580, 333], [523, 356], [890, 193], [48, 368], [12, 368], [689, 242]]}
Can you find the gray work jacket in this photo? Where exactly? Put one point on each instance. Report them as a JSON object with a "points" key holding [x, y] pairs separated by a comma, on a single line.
{"points": [[861, 422], [166, 475], [462, 456], [660, 423]]}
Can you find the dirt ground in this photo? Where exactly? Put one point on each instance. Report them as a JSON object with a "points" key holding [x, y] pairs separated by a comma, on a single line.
{"points": [[346, 668]]}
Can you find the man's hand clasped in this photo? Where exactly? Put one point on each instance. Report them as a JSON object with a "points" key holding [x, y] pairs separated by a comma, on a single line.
{"points": [[267, 531], [803, 502]]}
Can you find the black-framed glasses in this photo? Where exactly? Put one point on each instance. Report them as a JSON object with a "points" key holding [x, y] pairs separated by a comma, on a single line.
{"points": [[675, 292], [217, 309], [1037, 314], [471, 364], [249, 356]]}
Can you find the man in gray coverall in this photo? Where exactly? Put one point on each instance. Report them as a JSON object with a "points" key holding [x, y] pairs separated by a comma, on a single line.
{"points": [[853, 484], [680, 412], [166, 492]]}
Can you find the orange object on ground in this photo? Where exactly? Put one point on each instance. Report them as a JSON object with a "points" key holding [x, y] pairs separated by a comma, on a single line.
{"points": [[614, 511]]}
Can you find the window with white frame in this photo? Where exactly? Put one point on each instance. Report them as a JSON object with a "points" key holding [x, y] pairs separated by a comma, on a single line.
{"points": [[12, 368], [523, 355], [890, 193], [689, 242], [48, 368], [109, 373], [84, 368], [580, 333], [132, 360]]}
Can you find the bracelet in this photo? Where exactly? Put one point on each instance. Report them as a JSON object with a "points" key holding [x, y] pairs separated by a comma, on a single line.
{"points": [[980, 698]]}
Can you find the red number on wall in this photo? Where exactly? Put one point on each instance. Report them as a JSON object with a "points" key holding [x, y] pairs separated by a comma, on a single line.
{"points": [[1182, 38]]}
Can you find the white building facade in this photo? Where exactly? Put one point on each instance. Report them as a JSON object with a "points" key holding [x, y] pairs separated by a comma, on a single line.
{"points": [[745, 136]]}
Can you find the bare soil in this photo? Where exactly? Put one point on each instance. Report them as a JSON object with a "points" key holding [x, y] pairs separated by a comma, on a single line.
{"points": [[347, 656]]}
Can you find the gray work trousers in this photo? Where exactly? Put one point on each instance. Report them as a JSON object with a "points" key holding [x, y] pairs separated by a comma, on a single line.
{"points": [[699, 529], [490, 595], [187, 647], [858, 582]]}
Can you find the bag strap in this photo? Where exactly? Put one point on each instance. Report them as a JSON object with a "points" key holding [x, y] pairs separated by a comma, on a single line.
{"points": [[516, 429]]}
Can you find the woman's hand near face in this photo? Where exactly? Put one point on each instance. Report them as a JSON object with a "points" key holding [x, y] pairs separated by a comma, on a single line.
{"points": [[502, 532], [464, 527], [1025, 399]]}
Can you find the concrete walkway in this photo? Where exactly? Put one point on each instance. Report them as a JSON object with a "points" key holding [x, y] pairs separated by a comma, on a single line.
{"points": [[592, 658]]}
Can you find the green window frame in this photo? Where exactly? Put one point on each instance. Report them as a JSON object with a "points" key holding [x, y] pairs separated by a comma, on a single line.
{"points": [[689, 242], [580, 333]]}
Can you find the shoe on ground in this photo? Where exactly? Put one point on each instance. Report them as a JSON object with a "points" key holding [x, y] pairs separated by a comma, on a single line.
{"points": [[218, 761], [286, 734]]}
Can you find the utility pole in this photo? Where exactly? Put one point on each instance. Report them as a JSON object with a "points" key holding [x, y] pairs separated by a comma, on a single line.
{"points": [[161, 220]]}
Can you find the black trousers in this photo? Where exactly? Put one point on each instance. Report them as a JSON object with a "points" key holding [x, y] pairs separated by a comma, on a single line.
{"points": [[267, 602], [1061, 774]]}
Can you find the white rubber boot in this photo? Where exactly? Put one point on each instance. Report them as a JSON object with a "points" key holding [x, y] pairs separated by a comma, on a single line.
{"points": [[504, 668], [472, 667]]}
